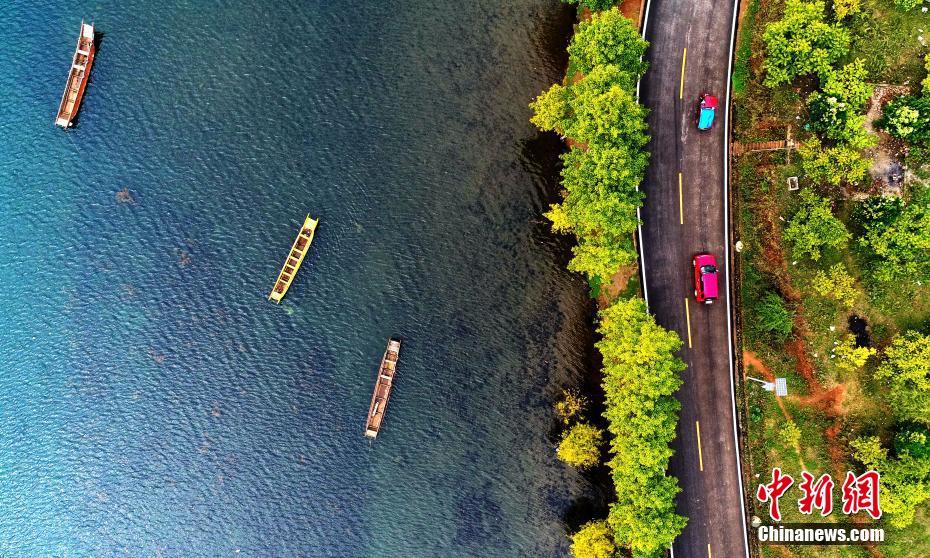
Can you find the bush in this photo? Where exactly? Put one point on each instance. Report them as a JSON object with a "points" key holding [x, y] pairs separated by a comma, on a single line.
{"points": [[593, 540], [774, 317], [836, 284], [834, 110], [608, 38], [907, 117], [906, 371], [844, 8], [908, 5], [790, 434], [833, 165], [579, 446], [814, 227], [802, 43], [570, 406], [593, 5], [850, 357]]}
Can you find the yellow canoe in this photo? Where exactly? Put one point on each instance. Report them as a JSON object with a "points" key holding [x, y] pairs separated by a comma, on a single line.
{"points": [[294, 259]]}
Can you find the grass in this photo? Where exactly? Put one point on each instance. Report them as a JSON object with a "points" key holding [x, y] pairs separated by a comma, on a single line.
{"points": [[887, 39]]}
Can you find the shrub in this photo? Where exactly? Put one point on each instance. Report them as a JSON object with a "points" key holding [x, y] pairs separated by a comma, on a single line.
{"points": [[814, 227], [790, 434], [579, 446], [908, 5], [593, 5], [802, 43], [774, 316], [608, 38], [925, 84], [907, 117], [837, 284], [849, 356], [834, 110], [570, 406], [593, 540], [906, 371], [833, 165], [844, 8]]}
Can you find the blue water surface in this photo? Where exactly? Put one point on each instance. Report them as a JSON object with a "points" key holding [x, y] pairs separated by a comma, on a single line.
{"points": [[154, 403]]}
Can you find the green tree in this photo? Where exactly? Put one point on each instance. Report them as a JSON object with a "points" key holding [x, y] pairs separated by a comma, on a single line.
{"points": [[609, 38], [814, 227], [906, 372], [641, 374], [845, 8], [837, 284], [925, 84], [593, 540], [905, 477], [849, 356], [833, 165], [802, 43], [835, 109], [899, 237], [579, 446], [571, 405]]}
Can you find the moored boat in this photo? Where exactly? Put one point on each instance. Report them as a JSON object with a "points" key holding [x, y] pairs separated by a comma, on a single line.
{"points": [[294, 259], [383, 385], [77, 76]]}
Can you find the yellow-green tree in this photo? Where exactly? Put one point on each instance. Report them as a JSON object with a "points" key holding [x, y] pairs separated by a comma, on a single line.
{"points": [[802, 43], [580, 446], [836, 284], [905, 477], [813, 227], [593, 540], [570, 405], [850, 357], [906, 371]]}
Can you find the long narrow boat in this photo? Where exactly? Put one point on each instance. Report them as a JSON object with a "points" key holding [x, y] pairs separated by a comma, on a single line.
{"points": [[379, 399], [77, 77], [294, 259]]}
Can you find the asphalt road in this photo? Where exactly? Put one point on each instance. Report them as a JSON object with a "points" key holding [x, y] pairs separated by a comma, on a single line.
{"points": [[675, 227]]}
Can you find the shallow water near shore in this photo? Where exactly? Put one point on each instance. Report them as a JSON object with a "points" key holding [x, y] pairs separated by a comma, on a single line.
{"points": [[154, 403]]}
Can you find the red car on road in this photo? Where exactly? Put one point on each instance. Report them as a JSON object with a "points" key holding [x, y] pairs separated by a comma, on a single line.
{"points": [[705, 278]]}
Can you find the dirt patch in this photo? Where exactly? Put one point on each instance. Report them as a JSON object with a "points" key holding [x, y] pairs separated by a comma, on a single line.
{"points": [[633, 10], [887, 170], [617, 285]]}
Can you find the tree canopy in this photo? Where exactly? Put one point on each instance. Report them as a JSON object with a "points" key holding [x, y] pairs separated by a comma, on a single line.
{"points": [[814, 227], [802, 43], [899, 237], [593, 540], [641, 374], [608, 38], [906, 372], [833, 165], [905, 477], [580, 446]]}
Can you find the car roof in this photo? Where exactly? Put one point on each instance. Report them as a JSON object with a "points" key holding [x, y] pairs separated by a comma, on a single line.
{"points": [[705, 259], [710, 101]]}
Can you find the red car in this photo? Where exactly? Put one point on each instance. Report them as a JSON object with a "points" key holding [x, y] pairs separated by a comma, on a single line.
{"points": [[705, 278]]}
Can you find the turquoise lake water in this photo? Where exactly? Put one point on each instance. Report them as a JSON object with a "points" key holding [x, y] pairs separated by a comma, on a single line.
{"points": [[154, 403]]}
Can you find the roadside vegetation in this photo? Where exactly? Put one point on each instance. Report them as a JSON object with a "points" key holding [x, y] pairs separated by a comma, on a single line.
{"points": [[597, 113], [834, 279]]}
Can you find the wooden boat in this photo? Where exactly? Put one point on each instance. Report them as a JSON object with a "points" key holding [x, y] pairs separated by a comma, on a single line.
{"points": [[77, 77], [379, 399], [294, 259]]}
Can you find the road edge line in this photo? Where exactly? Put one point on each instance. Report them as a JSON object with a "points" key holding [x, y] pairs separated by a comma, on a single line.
{"points": [[726, 238]]}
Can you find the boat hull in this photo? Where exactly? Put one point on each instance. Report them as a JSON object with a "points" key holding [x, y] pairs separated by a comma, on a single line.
{"points": [[78, 76], [383, 386], [294, 259]]}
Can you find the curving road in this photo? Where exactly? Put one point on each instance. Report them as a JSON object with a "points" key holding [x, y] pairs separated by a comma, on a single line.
{"points": [[677, 223]]}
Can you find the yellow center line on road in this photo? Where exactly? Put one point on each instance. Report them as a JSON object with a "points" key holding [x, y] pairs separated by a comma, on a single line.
{"points": [[709, 555], [681, 90], [688, 318], [681, 208], [697, 425]]}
